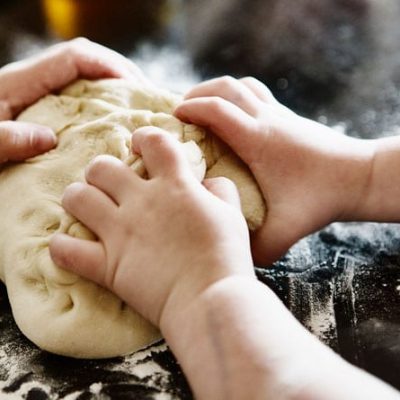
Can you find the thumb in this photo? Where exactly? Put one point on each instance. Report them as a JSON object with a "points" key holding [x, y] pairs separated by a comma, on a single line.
{"points": [[274, 239], [21, 140], [224, 189]]}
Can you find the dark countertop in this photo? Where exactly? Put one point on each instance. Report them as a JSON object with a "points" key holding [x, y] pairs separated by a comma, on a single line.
{"points": [[342, 283]]}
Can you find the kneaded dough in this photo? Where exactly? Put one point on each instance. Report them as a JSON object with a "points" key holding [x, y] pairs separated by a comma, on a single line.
{"points": [[57, 310]]}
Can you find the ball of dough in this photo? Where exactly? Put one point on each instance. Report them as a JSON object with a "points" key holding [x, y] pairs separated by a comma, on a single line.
{"points": [[57, 310]]}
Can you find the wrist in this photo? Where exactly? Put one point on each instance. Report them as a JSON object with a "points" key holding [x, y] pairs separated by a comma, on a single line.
{"points": [[237, 331], [380, 200], [197, 333], [214, 265], [187, 299], [179, 310], [354, 176]]}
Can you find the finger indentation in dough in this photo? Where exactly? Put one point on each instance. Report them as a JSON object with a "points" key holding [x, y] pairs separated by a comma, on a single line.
{"points": [[90, 118]]}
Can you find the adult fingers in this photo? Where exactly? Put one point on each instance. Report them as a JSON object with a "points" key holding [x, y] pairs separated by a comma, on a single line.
{"points": [[24, 82], [235, 127], [162, 154], [83, 257], [231, 90], [224, 189], [20, 140], [94, 61], [90, 206], [110, 175]]}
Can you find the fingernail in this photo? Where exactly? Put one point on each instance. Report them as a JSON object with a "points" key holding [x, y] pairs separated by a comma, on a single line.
{"points": [[43, 139]]}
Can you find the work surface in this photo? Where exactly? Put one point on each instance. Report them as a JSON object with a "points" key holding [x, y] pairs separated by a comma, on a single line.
{"points": [[342, 283]]}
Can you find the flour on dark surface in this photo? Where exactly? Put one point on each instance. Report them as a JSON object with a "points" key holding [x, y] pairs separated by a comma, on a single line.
{"points": [[344, 289], [348, 293], [27, 372]]}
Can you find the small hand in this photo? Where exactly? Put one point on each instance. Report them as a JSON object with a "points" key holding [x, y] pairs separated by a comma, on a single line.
{"points": [[309, 174], [162, 241]]}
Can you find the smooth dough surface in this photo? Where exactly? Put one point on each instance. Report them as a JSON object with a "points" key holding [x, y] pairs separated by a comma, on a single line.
{"points": [[57, 310]]}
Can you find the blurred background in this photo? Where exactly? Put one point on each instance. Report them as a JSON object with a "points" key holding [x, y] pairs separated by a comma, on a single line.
{"points": [[333, 60], [337, 61]]}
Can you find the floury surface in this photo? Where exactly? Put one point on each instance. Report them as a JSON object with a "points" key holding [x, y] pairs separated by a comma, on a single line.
{"points": [[342, 283]]}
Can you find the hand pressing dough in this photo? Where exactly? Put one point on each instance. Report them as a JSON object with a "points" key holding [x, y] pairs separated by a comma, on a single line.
{"points": [[57, 310]]}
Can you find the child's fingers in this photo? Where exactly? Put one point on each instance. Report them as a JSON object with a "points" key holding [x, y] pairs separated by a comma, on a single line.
{"points": [[259, 89], [90, 206], [237, 128], [83, 257], [20, 140], [224, 189], [266, 96], [112, 176], [162, 154], [229, 89]]}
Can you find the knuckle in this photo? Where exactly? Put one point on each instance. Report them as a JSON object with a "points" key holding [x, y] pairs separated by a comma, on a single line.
{"points": [[8, 135], [98, 165], [79, 42], [250, 79], [181, 180], [75, 193], [227, 82], [75, 46], [256, 83], [68, 53], [4, 130], [64, 47], [217, 104], [156, 138]]}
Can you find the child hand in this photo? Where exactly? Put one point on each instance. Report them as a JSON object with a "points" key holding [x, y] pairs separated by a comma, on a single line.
{"points": [[24, 82], [162, 241], [309, 174]]}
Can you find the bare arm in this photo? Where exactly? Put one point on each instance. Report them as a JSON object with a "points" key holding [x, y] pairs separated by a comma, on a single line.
{"points": [[238, 341]]}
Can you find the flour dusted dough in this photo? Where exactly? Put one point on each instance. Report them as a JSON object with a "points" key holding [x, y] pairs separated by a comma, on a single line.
{"points": [[57, 310]]}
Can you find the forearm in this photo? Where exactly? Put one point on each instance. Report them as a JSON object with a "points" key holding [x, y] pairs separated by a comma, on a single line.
{"points": [[219, 342], [239, 342]]}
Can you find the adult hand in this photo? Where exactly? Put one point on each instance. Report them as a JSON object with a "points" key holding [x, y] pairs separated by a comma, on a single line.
{"points": [[24, 82]]}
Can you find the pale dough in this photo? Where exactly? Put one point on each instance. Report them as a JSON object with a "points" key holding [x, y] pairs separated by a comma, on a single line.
{"points": [[57, 310]]}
